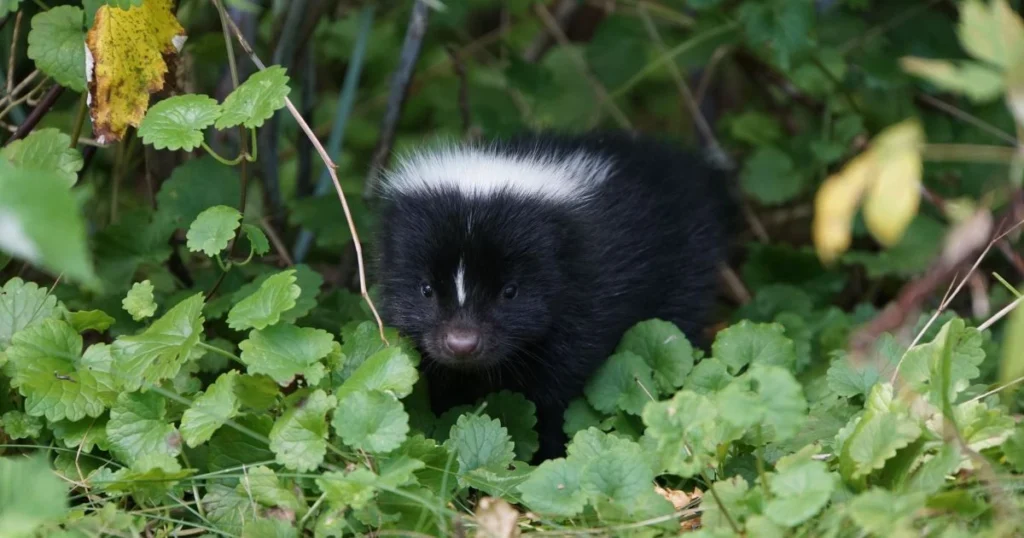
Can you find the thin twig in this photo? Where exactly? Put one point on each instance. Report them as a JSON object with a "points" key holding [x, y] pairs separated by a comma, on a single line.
{"points": [[346, 98], [399, 92], [606, 99], [564, 12], [1001, 314], [464, 111], [275, 240], [969, 118], [38, 112], [13, 53], [332, 169]]}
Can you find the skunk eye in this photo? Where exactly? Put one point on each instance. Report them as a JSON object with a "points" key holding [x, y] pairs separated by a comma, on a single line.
{"points": [[426, 290], [510, 291]]}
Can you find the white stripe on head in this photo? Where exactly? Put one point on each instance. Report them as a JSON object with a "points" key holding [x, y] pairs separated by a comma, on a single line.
{"points": [[460, 282], [483, 172]]}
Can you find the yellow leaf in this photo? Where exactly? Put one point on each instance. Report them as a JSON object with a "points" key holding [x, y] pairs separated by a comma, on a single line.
{"points": [[893, 198], [127, 59], [895, 193], [835, 204], [496, 519]]}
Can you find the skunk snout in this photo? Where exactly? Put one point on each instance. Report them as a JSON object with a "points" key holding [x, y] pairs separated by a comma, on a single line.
{"points": [[462, 341]]}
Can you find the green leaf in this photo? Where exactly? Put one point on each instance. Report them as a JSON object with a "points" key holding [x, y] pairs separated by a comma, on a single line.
{"points": [[519, 416], [9, 6], [360, 342], [177, 123], [89, 320], [878, 434], [123, 4], [620, 476], [754, 343], [47, 367], [623, 382], [299, 437], [139, 428], [800, 488], [31, 495], [371, 421], [708, 377], [785, 28], [993, 35], [269, 528], [257, 239], [193, 187], [285, 351], [213, 230], [480, 442], [923, 365], [210, 410], [18, 425], [884, 513], [388, 370], [139, 302], [1013, 449], [756, 128], [580, 416], [255, 100], [149, 479], [975, 80], [56, 43], [554, 489], [733, 495], [40, 222], [353, 489], [664, 348], [263, 486], [1011, 366], [767, 396], [771, 177], [47, 150], [23, 305], [263, 308], [160, 351], [228, 509], [848, 379], [618, 49], [685, 432]]}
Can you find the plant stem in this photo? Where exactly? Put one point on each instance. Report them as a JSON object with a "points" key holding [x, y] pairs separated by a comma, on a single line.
{"points": [[37, 113], [229, 423], [721, 505], [222, 352], [253, 154], [332, 169], [80, 119], [217, 156]]}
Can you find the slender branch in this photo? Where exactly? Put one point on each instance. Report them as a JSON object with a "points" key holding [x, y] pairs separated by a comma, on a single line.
{"points": [[331, 168], [13, 53], [346, 98], [967, 117], [602, 93], [564, 12], [38, 112], [718, 501], [83, 110], [399, 91], [223, 160]]}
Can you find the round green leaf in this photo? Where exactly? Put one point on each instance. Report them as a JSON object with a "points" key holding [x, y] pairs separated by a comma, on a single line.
{"points": [[178, 122]]}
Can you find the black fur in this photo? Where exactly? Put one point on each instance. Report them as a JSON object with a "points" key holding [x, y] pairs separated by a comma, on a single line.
{"points": [[647, 245]]}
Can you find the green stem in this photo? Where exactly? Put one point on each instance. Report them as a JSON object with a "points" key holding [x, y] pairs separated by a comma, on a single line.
{"points": [[969, 153], [229, 423], [80, 119], [759, 453], [222, 352], [255, 147], [721, 505], [217, 156], [312, 510]]}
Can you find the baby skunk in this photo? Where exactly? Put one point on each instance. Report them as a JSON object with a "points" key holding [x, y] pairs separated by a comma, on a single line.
{"points": [[519, 264]]}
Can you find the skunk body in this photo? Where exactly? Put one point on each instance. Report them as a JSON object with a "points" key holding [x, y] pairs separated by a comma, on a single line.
{"points": [[519, 264]]}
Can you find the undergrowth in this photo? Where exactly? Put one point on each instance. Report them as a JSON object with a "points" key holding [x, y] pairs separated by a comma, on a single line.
{"points": [[183, 353]]}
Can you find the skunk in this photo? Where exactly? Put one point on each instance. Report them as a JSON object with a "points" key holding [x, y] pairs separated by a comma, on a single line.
{"points": [[518, 264]]}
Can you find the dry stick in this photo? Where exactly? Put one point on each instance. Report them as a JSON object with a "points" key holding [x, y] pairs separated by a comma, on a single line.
{"points": [[602, 93], [563, 13], [969, 118], [396, 99], [275, 240], [20, 87], [684, 90], [38, 112], [14, 50], [331, 167]]}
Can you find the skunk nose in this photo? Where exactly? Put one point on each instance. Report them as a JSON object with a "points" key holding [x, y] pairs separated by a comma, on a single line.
{"points": [[462, 342]]}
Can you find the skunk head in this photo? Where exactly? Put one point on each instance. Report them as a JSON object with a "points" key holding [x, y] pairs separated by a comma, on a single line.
{"points": [[475, 250], [472, 282]]}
